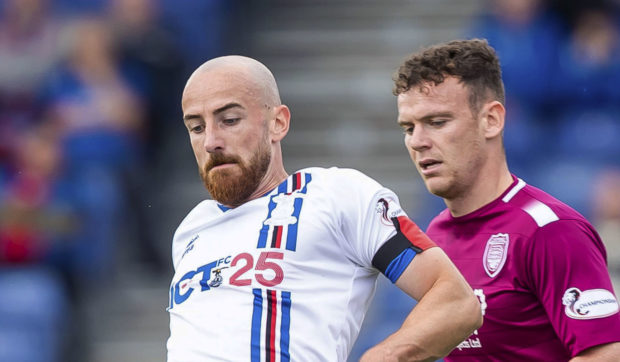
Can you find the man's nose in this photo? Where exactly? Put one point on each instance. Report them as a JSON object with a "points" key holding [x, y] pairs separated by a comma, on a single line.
{"points": [[418, 139], [213, 141]]}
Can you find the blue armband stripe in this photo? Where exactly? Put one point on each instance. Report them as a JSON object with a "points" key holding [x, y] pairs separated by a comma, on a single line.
{"points": [[399, 264]]}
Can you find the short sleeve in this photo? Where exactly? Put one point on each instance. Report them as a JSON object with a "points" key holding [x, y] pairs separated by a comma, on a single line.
{"points": [[378, 231], [569, 274]]}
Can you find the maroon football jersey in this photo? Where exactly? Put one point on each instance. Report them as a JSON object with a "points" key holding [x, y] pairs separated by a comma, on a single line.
{"points": [[539, 270]]}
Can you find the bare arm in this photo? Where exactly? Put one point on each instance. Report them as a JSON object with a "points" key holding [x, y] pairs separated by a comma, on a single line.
{"points": [[447, 312], [603, 353]]}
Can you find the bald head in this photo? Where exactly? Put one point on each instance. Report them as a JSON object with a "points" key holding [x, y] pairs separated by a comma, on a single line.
{"points": [[232, 110], [256, 78]]}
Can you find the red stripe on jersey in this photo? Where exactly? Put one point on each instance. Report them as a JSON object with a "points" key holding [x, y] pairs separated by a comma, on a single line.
{"points": [[272, 324], [414, 234], [278, 236], [298, 181]]}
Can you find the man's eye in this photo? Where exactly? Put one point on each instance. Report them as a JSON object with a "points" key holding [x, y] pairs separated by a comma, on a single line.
{"points": [[230, 121], [408, 130], [437, 122], [197, 129]]}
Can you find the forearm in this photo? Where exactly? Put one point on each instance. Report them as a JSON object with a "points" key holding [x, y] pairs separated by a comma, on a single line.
{"points": [[447, 311], [437, 324]]}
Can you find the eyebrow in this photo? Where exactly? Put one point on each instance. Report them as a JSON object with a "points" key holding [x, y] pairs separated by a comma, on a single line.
{"points": [[224, 108], [428, 117], [227, 107]]}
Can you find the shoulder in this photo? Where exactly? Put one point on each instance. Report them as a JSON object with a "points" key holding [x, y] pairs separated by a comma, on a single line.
{"points": [[545, 209], [344, 178], [205, 210], [348, 191], [522, 209], [552, 220]]}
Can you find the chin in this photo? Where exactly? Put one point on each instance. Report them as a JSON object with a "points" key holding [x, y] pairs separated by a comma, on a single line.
{"points": [[227, 172], [437, 187]]}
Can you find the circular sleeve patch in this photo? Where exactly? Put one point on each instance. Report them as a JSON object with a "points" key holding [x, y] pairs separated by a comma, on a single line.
{"points": [[589, 304]]}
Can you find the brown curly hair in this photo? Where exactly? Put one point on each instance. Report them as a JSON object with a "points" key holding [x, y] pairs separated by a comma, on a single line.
{"points": [[474, 61]]}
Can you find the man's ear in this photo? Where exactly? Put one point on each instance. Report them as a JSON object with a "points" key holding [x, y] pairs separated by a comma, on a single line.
{"points": [[493, 115], [279, 126]]}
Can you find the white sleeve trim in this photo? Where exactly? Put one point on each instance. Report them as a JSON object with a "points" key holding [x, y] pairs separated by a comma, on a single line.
{"points": [[540, 212]]}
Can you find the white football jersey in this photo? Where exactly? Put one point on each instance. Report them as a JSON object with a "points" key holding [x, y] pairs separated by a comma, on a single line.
{"points": [[286, 276]]}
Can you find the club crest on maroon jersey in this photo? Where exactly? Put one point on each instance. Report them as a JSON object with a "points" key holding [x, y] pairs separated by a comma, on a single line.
{"points": [[495, 254]]}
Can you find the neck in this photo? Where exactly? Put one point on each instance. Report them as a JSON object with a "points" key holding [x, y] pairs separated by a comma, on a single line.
{"points": [[272, 178], [487, 187]]}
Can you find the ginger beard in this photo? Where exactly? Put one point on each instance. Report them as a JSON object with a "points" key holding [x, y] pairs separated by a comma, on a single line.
{"points": [[227, 186]]}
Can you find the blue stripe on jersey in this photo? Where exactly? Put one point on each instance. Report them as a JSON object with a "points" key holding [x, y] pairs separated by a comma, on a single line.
{"points": [[264, 231], [308, 179], [285, 325], [291, 239], [256, 320], [282, 187], [262, 236], [399, 264]]}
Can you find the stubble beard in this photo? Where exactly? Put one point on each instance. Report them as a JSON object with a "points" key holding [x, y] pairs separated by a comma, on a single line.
{"points": [[457, 184], [226, 185], [445, 187]]}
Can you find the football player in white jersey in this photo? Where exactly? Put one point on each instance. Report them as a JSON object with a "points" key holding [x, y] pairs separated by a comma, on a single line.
{"points": [[279, 267]]}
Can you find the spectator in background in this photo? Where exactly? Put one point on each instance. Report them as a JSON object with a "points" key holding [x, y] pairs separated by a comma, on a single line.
{"points": [[586, 92], [99, 119], [155, 69], [149, 51], [206, 29], [36, 216], [38, 229], [29, 48], [525, 35], [585, 105]]}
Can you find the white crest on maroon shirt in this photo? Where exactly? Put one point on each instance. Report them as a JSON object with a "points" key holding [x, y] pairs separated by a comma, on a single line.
{"points": [[495, 254]]}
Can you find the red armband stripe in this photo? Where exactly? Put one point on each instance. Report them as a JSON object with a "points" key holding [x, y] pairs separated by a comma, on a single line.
{"points": [[413, 233]]}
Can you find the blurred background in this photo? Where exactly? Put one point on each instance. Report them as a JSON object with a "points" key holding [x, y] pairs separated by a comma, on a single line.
{"points": [[96, 171]]}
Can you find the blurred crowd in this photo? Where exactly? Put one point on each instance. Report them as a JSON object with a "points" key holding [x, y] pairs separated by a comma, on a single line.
{"points": [[90, 88]]}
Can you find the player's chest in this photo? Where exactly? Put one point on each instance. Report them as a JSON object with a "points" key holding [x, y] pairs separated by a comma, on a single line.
{"points": [[270, 246], [487, 258], [282, 224], [495, 264]]}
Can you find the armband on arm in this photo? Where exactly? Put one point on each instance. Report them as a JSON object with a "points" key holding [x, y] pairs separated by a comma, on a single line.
{"points": [[394, 255]]}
